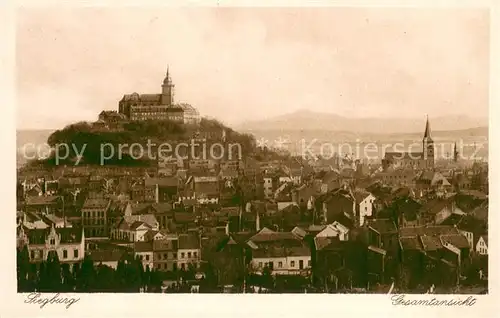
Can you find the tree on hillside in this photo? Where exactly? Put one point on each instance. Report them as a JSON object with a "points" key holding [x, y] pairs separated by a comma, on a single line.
{"points": [[68, 280], [23, 267], [50, 273], [105, 279], [86, 276]]}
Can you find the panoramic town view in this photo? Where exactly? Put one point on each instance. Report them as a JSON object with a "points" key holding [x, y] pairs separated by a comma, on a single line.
{"points": [[157, 195]]}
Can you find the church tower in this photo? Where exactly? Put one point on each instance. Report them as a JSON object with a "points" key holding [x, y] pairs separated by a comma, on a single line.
{"points": [[428, 146], [167, 90]]}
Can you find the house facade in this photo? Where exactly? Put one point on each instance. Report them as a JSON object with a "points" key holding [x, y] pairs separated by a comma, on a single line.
{"points": [[68, 243]]}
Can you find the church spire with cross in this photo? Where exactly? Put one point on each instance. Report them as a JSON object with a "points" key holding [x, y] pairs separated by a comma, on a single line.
{"points": [[427, 132], [167, 89], [428, 145]]}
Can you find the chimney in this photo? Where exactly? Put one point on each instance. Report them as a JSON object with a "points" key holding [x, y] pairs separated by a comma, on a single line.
{"points": [[257, 221]]}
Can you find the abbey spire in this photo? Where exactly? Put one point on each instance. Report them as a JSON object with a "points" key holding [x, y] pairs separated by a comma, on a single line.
{"points": [[427, 132], [167, 90], [428, 145]]}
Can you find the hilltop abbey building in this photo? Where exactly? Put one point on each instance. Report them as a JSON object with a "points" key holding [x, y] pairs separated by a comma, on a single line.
{"points": [[421, 160], [161, 106]]}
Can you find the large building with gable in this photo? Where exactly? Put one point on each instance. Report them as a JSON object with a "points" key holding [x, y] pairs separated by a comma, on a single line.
{"points": [[141, 107], [421, 160]]}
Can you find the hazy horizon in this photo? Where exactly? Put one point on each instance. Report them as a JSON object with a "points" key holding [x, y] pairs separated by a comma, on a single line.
{"points": [[239, 64]]}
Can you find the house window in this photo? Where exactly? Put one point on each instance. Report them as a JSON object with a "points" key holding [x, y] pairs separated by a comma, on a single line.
{"points": [[183, 266], [301, 264], [75, 253], [147, 257], [189, 254], [195, 254], [271, 265], [33, 254], [292, 264], [52, 241], [183, 255], [65, 254], [165, 256], [280, 264], [309, 263]]}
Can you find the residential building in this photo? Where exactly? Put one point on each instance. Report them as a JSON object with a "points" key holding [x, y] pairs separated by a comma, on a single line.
{"points": [[165, 253], [415, 160], [139, 107], [189, 252], [68, 243], [482, 245], [144, 250], [284, 253], [94, 217]]}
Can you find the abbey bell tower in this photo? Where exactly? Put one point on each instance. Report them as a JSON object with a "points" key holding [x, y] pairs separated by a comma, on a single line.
{"points": [[167, 90], [428, 146]]}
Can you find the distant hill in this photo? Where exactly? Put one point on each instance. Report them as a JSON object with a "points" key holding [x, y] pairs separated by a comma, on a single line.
{"points": [[305, 120]]}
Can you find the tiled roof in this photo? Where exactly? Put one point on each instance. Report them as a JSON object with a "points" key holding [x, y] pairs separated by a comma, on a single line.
{"points": [[37, 236], [107, 255], [162, 181], [279, 251], [383, 226], [135, 225], [230, 211], [437, 205], [42, 200], [328, 243], [164, 245], [188, 241], [427, 230], [96, 203], [410, 243], [315, 228], [299, 232], [163, 207], [474, 193], [241, 237], [141, 247], [431, 243], [377, 250], [452, 220], [266, 235], [457, 240], [72, 235], [142, 97], [183, 217], [404, 155], [481, 212], [149, 219]]}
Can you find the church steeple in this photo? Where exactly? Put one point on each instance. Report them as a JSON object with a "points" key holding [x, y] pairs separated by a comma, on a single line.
{"points": [[428, 145], [167, 89], [427, 132]]}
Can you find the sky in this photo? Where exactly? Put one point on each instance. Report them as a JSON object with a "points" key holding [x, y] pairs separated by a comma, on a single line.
{"points": [[239, 64]]}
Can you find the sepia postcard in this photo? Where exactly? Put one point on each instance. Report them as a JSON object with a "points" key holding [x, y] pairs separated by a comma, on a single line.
{"points": [[312, 160]]}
